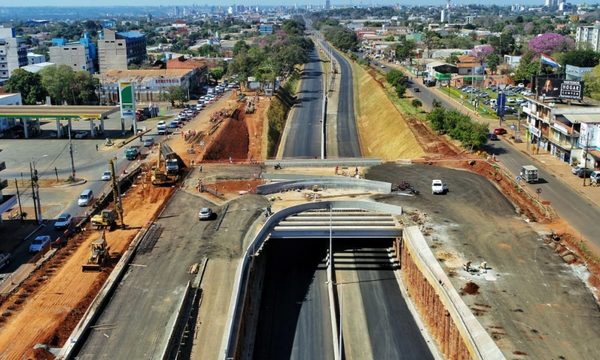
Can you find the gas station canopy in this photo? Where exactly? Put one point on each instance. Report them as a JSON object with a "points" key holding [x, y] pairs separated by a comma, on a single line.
{"points": [[56, 112]]}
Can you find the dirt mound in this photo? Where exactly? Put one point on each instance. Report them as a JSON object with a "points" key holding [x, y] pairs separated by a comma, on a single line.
{"points": [[231, 142]]}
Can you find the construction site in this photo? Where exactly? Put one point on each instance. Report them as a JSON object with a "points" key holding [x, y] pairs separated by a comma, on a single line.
{"points": [[76, 302]]}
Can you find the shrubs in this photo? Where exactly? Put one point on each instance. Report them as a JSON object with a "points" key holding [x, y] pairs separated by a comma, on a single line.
{"points": [[459, 127]]}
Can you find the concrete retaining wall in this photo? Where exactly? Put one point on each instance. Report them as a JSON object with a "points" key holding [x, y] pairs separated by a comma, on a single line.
{"points": [[457, 332], [239, 311], [331, 182]]}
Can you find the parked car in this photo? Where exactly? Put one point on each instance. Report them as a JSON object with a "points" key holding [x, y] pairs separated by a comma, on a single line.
{"points": [[81, 135], [106, 175], [39, 243], [438, 187], [584, 172], [205, 214], [575, 169], [63, 221], [85, 198], [595, 177], [493, 137], [174, 124], [500, 131]]}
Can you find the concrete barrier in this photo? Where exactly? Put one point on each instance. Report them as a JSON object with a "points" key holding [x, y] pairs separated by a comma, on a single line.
{"points": [[236, 308], [332, 182], [457, 332], [311, 163]]}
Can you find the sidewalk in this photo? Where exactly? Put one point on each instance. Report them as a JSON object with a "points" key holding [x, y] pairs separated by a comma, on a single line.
{"points": [[544, 160]]}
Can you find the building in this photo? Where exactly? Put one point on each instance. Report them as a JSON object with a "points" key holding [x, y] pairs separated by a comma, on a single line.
{"points": [[266, 29], [588, 37], [327, 4], [116, 50], [9, 99], [13, 53], [445, 16], [512, 60], [7, 202], [33, 59], [74, 55], [150, 85], [35, 68], [562, 130]]}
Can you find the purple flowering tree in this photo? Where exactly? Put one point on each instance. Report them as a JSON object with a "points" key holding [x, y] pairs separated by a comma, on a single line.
{"points": [[481, 52], [549, 43]]}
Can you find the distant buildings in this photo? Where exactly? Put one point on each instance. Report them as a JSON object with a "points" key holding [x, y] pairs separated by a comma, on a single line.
{"points": [[33, 59], [13, 53], [588, 37], [116, 50], [9, 99], [266, 29]]}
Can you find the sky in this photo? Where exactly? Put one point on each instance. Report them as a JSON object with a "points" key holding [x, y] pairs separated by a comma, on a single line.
{"points": [[261, 2]]}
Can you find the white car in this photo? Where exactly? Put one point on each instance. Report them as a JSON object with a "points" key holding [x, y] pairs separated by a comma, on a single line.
{"points": [[38, 243], [205, 214], [438, 187], [106, 175], [63, 221]]}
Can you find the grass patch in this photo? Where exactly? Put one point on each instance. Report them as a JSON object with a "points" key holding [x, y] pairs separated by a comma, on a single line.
{"points": [[484, 110], [383, 129]]}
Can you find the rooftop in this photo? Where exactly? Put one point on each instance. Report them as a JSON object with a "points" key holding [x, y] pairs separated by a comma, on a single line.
{"points": [[54, 111], [141, 74], [131, 34]]}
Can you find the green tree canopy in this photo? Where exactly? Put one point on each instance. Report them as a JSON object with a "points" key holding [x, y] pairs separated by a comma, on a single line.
{"points": [[28, 84], [406, 50], [175, 94], [592, 83], [65, 85], [581, 58]]}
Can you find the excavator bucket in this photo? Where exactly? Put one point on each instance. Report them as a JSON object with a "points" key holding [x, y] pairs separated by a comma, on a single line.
{"points": [[90, 267]]}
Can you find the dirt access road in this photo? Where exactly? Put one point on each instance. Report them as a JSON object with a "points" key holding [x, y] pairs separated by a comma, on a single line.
{"points": [[530, 301]]}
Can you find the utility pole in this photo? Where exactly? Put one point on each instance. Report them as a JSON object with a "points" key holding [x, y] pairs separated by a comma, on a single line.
{"points": [[585, 150], [116, 192], [34, 194], [19, 200], [71, 153]]}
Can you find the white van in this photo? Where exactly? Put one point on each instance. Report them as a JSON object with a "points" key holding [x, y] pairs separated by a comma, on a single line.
{"points": [[85, 198]]}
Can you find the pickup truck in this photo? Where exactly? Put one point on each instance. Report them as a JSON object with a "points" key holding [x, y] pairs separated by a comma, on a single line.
{"points": [[438, 187], [132, 152]]}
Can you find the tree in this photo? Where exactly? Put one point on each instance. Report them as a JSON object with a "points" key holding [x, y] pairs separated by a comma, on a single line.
{"points": [[389, 38], [528, 67], [239, 47], [592, 83], [503, 44], [28, 84], [401, 90], [175, 94], [217, 73], [581, 58], [549, 43], [481, 52], [406, 50], [394, 76], [416, 103], [493, 61]]}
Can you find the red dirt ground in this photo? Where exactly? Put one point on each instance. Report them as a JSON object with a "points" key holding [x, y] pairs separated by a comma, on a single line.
{"points": [[231, 142]]}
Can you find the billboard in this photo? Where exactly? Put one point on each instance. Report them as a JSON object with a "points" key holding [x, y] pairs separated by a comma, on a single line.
{"points": [[127, 97], [559, 88], [576, 73]]}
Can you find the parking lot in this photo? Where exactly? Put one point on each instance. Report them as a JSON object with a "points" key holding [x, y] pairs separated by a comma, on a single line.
{"points": [[475, 222]]}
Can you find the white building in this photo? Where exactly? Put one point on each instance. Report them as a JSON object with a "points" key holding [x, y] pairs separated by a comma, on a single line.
{"points": [[9, 99], [512, 60], [33, 59], [13, 53], [588, 37]]}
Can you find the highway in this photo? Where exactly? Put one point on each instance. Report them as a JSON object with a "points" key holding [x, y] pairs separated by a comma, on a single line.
{"points": [[304, 130], [376, 321], [347, 134], [294, 320], [579, 212]]}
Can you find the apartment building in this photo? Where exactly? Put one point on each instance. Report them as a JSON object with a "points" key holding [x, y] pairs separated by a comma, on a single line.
{"points": [[75, 55], [588, 37], [13, 53], [116, 50]]}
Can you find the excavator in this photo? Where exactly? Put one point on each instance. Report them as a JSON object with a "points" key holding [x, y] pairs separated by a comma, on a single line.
{"points": [[98, 255], [169, 173]]}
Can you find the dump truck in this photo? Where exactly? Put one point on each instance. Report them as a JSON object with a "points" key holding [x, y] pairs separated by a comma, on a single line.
{"points": [[106, 219], [169, 174], [98, 255]]}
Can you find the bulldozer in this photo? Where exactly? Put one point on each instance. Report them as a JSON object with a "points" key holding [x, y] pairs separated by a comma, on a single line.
{"points": [[98, 255], [167, 174], [106, 219]]}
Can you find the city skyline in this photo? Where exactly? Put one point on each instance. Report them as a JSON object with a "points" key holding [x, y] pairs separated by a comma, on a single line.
{"points": [[339, 3]]}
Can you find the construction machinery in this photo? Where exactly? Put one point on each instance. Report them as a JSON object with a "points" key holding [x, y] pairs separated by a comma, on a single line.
{"points": [[169, 173], [106, 219], [98, 255]]}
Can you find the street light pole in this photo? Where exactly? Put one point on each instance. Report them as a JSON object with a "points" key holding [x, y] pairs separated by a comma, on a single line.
{"points": [[71, 152]]}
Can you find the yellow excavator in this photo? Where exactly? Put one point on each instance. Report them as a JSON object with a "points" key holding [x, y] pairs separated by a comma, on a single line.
{"points": [[169, 173]]}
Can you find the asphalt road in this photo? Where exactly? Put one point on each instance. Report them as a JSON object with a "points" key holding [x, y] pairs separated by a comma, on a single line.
{"points": [[305, 126], [294, 320], [580, 213], [391, 331], [347, 134]]}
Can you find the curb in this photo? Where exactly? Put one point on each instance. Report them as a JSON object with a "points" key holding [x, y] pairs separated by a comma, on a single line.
{"points": [[80, 182]]}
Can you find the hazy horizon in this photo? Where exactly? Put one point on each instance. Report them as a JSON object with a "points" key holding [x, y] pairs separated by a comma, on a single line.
{"points": [[340, 3]]}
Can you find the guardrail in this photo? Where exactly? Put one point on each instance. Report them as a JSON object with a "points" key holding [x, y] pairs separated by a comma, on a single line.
{"points": [[236, 315]]}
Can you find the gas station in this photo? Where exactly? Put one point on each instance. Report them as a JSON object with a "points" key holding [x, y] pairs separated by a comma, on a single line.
{"points": [[31, 115]]}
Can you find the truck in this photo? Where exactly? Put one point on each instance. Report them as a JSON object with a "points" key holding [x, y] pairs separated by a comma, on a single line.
{"points": [[438, 187], [106, 218], [170, 174], [132, 152], [529, 173]]}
